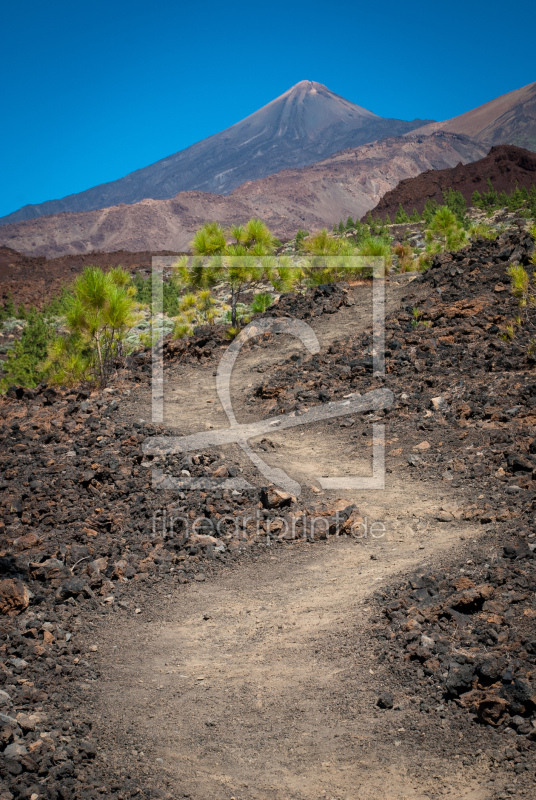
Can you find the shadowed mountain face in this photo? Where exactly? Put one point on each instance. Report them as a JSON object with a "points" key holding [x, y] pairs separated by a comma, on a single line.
{"points": [[509, 119], [347, 183], [505, 165], [306, 124]]}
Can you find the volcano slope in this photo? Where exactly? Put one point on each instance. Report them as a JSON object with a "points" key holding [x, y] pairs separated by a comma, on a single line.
{"points": [[389, 663]]}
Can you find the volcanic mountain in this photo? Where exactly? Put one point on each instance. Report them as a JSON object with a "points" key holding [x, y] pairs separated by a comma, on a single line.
{"points": [[347, 183], [505, 165], [304, 125], [508, 119]]}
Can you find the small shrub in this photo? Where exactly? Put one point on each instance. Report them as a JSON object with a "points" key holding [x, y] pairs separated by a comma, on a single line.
{"points": [[261, 302], [376, 247], [482, 231], [232, 332], [417, 317], [181, 330], [404, 253], [520, 284], [508, 334]]}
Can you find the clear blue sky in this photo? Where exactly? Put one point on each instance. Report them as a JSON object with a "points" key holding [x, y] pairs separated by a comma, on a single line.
{"points": [[94, 90]]}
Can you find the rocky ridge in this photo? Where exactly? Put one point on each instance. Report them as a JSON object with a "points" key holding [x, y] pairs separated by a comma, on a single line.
{"points": [[508, 119]]}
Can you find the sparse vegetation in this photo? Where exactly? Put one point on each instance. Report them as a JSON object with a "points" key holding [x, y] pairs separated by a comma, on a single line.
{"points": [[227, 266], [323, 244], [523, 287], [480, 230], [244, 264], [521, 284], [376, 247], [519, 198]]}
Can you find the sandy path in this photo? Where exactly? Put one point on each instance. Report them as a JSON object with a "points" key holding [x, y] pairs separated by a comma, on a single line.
{"points": [[274, 695], [261, 684]]}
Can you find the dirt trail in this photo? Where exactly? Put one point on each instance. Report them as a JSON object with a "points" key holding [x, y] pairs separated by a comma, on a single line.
{"points": [[274, 695], [261, 683], [268, 698]]}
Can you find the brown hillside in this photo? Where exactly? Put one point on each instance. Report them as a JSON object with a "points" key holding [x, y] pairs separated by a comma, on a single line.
{"points": [[505, 165], [347, 183], [508, 119]]}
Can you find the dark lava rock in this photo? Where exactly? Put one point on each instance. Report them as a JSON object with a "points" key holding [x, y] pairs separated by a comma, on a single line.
{"points": [[385, 700]]}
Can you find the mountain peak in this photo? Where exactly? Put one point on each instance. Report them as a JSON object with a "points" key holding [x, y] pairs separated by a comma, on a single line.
{"points": [[314, 96], [311, 86]]}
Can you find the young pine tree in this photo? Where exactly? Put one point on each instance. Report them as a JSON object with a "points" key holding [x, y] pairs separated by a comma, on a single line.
{"points": [[242, 265], [490, 198], [99, 314], [517, 199], [532, 201], [300, 236], [476, 199], [430, 208], [9, 306], [455, 200], [401, 216], [445, 230], [24, 363]]}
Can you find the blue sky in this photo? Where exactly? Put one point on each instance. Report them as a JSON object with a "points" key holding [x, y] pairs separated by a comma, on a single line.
{"points": [[92, 91]]}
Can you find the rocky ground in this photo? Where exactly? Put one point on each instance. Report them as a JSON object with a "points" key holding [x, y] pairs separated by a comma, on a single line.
{"points": [[439, 652]]}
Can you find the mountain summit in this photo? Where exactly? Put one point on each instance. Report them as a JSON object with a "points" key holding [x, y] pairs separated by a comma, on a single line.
{"points": [[305, 124]]}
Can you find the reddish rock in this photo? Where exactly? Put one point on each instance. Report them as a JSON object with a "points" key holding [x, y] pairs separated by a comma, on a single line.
{"points": [[14, 596], [276, 498]]}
